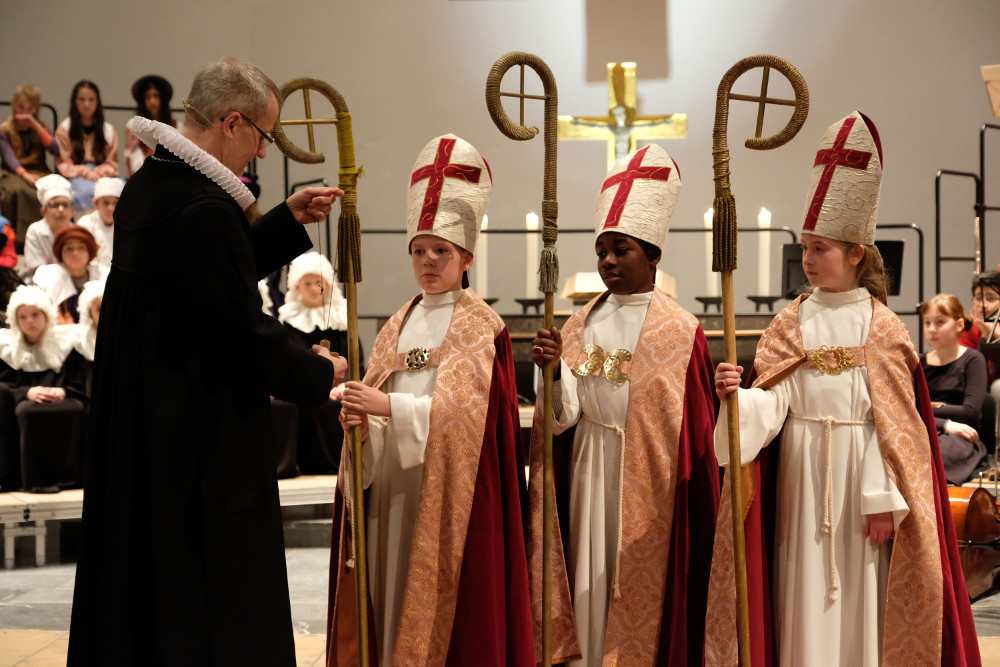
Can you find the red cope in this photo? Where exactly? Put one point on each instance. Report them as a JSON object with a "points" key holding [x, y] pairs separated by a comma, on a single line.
{"points": [[625, 179], [435, 173], [832, 158]]}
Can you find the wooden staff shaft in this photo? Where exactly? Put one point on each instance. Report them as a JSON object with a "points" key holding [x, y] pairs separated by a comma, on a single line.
{"points": [[735, 481], [357, 487], [547, 499]]}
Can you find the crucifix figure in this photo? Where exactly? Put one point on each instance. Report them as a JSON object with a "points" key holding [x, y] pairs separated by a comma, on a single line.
{"points": [[622, 125]]}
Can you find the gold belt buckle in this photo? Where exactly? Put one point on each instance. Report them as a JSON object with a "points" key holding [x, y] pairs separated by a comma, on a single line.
{"points": [[842, 360], [613, 366], [417, 359], [594, 362]]}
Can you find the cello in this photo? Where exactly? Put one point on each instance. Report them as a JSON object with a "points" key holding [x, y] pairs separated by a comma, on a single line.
{"points": [[976, 513]]}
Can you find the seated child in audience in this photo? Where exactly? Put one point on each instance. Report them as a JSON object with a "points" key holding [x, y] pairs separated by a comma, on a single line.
{"points": [[985, 308], [88, 146], [29, 139], [9, 280], [100, 222], [152, 95], [55, 194], [63, 281], [85, 339], [315, 310], [956, 380], [438, 414], [42, 401], [8, 252]]}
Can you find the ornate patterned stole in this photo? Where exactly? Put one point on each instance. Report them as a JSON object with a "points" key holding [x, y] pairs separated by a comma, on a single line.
{"points": [[914, 596], [658, 373], [451, 464]]}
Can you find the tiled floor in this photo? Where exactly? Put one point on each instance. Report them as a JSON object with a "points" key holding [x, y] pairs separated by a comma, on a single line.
{"points": [[35, 609]]}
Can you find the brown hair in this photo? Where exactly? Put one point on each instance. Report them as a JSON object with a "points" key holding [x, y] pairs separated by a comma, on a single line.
{"points": [[29, 93], [76, 126], [949, 305], [74, 232], [873, 274]]}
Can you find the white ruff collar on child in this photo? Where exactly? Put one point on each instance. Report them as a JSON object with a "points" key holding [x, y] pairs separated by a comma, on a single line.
{"points": [[151, 133], [48, 354]]}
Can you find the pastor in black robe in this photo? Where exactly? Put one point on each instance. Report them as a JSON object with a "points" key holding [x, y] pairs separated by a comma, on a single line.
{"points": [[182, 558]]}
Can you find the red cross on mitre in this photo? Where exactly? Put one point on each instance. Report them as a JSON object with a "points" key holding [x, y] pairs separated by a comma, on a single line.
{"points": [[624, 180], [435, 173], [831, 158]]}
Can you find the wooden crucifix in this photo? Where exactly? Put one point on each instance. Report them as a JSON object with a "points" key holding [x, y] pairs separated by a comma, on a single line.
{"points": [[622, 126]]}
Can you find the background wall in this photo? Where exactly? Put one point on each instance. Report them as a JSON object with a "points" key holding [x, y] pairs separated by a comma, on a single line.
{"points": [[411, 70]]}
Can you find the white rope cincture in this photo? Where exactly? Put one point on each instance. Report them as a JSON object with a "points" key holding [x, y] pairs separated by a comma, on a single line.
{"points": [[833, 592], [615, 586], [151, 133]]}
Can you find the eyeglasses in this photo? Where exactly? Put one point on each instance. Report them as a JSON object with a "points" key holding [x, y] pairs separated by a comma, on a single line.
{"points": [[62, 204], [263, 135]]}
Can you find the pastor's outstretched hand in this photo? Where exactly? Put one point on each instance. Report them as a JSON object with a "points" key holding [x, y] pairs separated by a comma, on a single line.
{"points": [[312, 204]]}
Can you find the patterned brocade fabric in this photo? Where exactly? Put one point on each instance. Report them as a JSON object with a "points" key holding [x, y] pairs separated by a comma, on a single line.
{"points": [[653, 423], [457, 424], [914, 596]]}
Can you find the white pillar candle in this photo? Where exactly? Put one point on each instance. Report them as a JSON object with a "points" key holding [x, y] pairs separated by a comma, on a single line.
{"points": [[531, 255], [712, 285], [479, 259], [764, 266]]}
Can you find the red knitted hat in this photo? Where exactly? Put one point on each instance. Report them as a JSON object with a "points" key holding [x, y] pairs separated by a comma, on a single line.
{"points": [[74, 232]]}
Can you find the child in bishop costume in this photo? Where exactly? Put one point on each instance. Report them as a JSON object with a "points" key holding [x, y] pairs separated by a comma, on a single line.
{"points": [[634, 380], [447, 572], [839, 435]]}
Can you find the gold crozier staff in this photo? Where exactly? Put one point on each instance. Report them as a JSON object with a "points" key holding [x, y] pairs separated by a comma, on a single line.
{"points": [[349, 273], [724, 261]]}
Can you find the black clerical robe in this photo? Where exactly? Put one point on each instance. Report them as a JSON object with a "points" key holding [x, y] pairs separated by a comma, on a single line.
{"points": [[182, 557]]}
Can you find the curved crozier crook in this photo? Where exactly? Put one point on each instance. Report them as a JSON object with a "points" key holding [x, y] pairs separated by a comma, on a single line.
{"points": [[720, 150], [549, 266], [282, 141], [493, 104]]}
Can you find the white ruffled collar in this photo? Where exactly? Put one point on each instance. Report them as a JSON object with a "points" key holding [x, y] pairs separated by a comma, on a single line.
{"points": [[306, 319], [49, 354], [84, 340], [152, 132]]}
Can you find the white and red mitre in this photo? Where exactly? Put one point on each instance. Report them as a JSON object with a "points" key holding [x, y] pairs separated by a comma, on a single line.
{"points": [[449, 190], [844, 188], [639, 195]]}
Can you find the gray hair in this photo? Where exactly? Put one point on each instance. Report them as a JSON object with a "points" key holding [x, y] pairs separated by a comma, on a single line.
{"points": [[227, 85]]}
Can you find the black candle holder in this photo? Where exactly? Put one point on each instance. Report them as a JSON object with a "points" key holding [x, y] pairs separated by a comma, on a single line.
{"points": [[707, 301], [530, 303], [768, 301]]}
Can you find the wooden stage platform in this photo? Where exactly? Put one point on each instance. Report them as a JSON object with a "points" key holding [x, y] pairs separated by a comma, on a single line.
{"points": [[25, 514]]}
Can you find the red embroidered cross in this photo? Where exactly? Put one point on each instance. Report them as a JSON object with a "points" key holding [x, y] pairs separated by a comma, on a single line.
{"points": [[832, 158], [435, 173], [625, 179]]}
